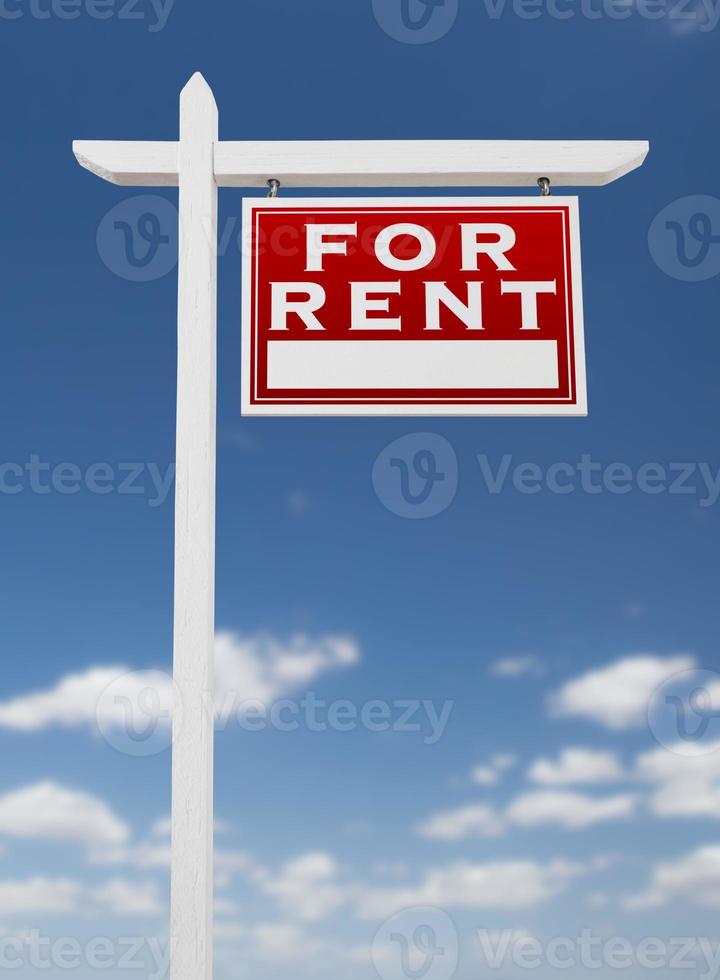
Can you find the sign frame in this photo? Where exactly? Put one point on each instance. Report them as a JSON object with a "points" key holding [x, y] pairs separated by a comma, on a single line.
{"points": [[406, 406]]}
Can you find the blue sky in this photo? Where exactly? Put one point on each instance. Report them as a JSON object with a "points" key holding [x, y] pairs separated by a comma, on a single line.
{"points": [[546, 621]]}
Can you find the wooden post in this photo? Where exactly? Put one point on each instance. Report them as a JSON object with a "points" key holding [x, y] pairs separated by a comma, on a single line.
{"points": [[191, 897]]}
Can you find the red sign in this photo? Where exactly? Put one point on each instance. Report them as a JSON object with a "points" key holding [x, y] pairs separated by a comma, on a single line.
{"points": [[412, 306]]}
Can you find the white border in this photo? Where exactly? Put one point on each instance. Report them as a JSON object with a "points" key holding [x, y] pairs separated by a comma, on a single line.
{"points": [[392, 409]]}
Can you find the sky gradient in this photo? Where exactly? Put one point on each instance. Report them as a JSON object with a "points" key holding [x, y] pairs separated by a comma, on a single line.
{"points": [[509, 777]]}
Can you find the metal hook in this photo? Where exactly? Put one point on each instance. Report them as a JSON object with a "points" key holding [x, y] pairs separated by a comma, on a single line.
{"points": [[544, 185], [274, 186]]}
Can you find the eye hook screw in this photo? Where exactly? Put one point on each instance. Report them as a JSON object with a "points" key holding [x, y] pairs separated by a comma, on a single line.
{"points": [[544, 185]]}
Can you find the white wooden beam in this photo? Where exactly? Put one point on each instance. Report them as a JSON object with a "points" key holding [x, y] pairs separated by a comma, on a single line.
{"points": [[423, 163], [375, 163], [151, 164], [191, 889]]}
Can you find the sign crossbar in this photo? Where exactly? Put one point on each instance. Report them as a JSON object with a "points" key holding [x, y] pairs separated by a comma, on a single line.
{"points": [[374, 163]]}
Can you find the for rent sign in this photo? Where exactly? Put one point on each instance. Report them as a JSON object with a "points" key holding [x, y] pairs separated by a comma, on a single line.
{"points": [[408, 306]]}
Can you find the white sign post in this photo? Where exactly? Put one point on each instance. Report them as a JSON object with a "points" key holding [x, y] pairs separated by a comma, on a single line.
{"points": [[191, 888], [198, 164]]}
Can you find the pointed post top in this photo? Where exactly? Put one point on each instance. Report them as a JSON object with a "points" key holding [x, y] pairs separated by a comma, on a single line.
{"points": [[198, 90], [198, 111]]}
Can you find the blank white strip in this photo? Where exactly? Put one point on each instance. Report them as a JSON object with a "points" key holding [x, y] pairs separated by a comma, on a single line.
{"points": [[400, 364]]}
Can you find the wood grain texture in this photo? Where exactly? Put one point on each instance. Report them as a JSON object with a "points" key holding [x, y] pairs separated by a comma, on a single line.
{"points": [[194, 623], [375, 163]]}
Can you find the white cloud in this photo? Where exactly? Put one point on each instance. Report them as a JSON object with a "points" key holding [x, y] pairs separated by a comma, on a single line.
{"points": [[309, 889], [145, 854], [161, 827], [680, 760], [227, 931], [598, 900], [477, 820], [495, 945], [528, 665], [306, 887], [60, 896], [498, 885], [568, 809], [49, 811], [489, 775], [390, 869], [39, 895], [484, 776], [70, 703], [577, 766], [283, 941], [617, 696], [694, 878], [285, 946], [225, 906], [121, 897], [263, 668], [247, 668], [561, 808], [686, 778], [228, 864]]}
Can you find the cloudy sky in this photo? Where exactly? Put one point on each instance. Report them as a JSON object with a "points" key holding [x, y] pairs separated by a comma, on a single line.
{"points": [[471, 709]]}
